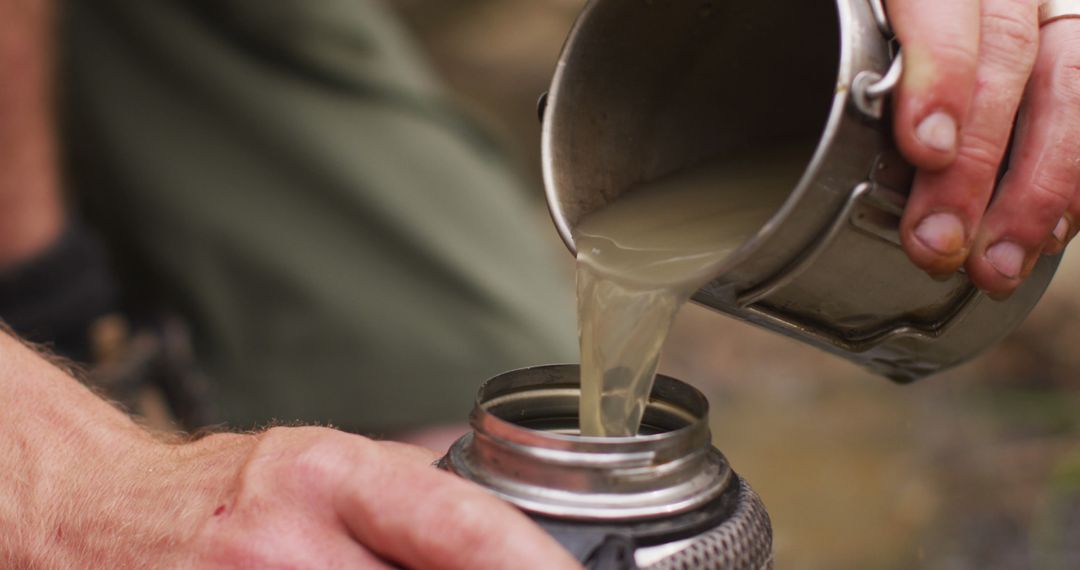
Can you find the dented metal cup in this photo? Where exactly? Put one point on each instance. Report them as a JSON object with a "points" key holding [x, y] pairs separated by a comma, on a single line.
{"points": [[645, 88]]}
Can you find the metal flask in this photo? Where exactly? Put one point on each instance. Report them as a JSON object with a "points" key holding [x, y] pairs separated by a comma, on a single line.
{"points": [[664, 500], [644, 88]]}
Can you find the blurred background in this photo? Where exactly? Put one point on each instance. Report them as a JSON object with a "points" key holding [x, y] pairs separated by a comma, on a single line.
{"points": [[270, 162], [975, 468]]}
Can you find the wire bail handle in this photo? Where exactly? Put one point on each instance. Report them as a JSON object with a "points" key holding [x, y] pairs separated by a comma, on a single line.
{"points": [[869, 87]]}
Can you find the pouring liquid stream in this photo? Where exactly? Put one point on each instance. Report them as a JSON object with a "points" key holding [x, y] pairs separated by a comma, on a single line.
{"points": [[642, 257]]}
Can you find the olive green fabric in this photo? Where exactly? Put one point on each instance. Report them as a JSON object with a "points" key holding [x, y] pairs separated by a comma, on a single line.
{"points": [[288, 175]]}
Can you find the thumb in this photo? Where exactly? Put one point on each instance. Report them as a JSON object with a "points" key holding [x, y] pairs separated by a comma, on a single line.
{"points": [[408, 512]]}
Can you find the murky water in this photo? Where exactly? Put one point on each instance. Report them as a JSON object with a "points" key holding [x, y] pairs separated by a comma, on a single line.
{"points": [[643, 256]]}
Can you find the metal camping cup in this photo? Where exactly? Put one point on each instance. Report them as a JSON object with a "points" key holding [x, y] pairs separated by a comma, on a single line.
{"points": [[644, 88], [666, 499]]}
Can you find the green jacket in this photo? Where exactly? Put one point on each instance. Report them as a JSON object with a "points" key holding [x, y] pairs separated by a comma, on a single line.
{"points": [[288, 175]]}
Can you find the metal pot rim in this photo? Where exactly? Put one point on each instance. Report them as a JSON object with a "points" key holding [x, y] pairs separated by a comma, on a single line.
{"points": [[837, 115], [589, 478], [692, 407]]}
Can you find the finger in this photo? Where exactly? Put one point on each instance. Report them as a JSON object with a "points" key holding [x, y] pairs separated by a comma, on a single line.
{"points": [[1061, 235], [945, 207], [1044, 171], [1068, 227], [941, 43], [425, 518]]}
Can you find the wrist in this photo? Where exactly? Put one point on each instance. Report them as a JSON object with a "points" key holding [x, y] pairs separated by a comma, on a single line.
{"points": [[85, 487], [145, 501]]}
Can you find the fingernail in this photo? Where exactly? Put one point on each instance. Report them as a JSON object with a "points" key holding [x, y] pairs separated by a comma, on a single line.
{"points": [[938, 131], [1061, 232], [1007, 257], [941, 232], [941, 277]]}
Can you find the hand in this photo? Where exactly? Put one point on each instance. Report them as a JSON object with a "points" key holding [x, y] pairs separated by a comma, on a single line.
{"points": [[84, 487], [319, 498], [970, 65], [299, 498], [286, 498]]}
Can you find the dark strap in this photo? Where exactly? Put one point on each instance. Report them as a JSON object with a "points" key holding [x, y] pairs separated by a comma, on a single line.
{"points": [[55, 297]]}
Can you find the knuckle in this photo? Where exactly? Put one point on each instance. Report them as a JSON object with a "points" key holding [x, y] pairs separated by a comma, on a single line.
{"points": [[957, 55], [298, 458], [1057, 74], [1065, 81], [313, 466], [1050, 197], [999, 100], [981, 153], [1011, 38]]}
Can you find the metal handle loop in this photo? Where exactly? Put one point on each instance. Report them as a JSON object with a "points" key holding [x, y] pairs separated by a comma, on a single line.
{"points": [[881, 17], [887, 84], [870, 88]]}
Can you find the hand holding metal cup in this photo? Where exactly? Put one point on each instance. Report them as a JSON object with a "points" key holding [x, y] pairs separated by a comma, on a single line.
{"points": [[970, 68], [902, 156]]}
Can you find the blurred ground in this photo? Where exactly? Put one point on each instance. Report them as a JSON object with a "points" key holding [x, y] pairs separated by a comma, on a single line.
{"points": [[975, 468]]}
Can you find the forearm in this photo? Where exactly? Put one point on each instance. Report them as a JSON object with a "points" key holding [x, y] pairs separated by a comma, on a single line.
{"points": [[31, 213], [83, 485]]}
